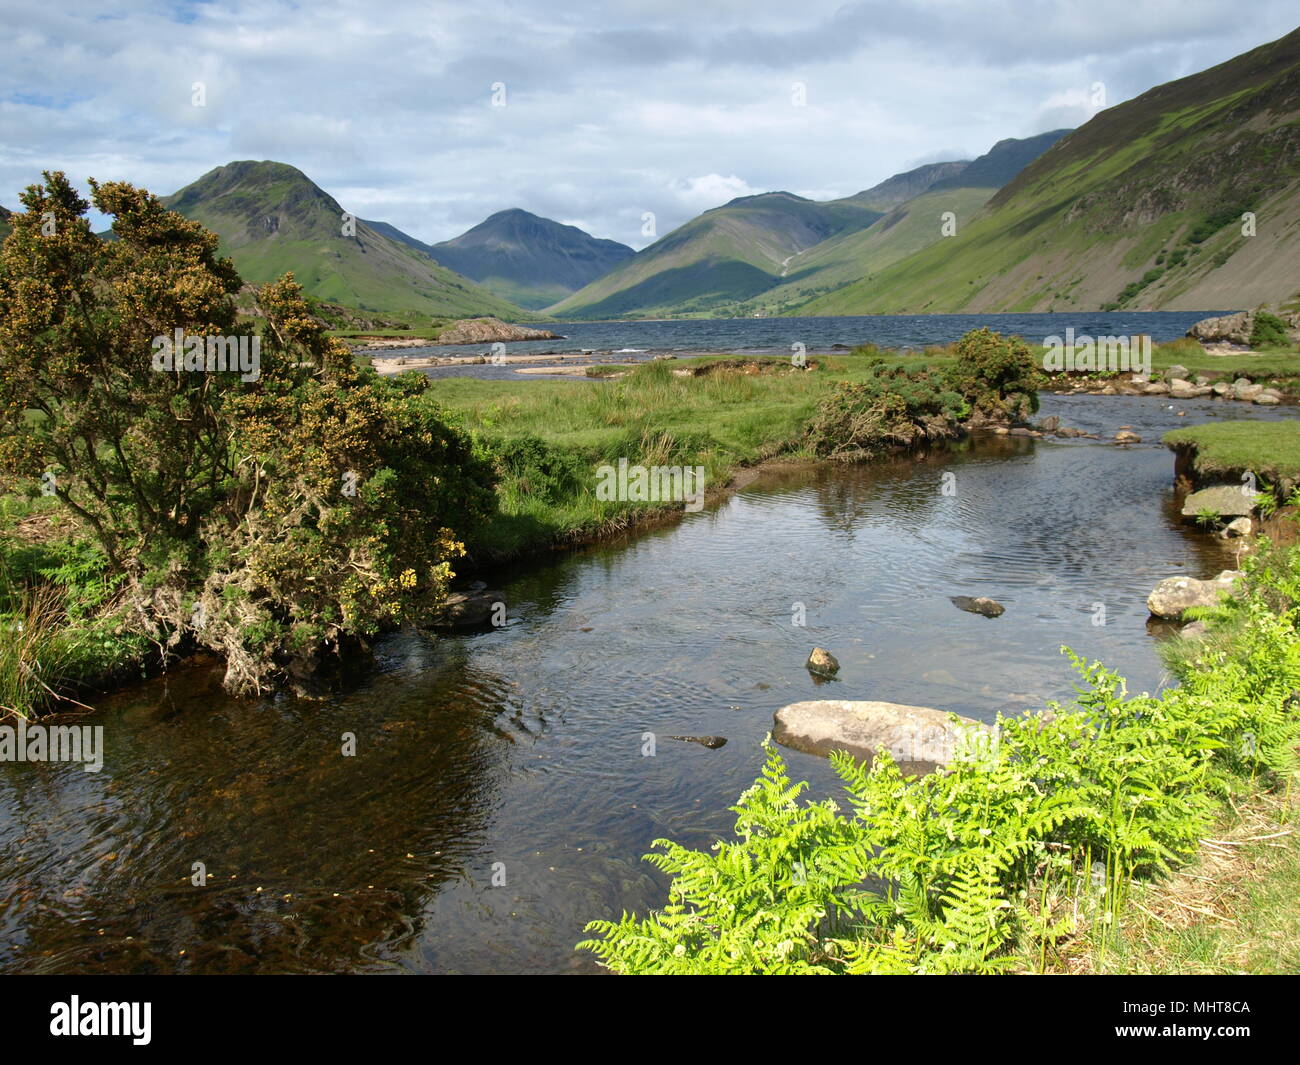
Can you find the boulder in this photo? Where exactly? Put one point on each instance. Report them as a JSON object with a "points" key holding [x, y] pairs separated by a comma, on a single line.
{"points": [[1247, 391], [822, 662], [1238, 527], [919, 738], [1156, 388], [990, 608], [1268, 398], [1177, 372], [1225, 500], [1172, 596], [1127, 436], [1221, 388]]}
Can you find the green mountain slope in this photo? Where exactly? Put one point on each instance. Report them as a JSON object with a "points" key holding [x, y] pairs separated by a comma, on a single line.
{"points": [[729, 253], [915, 222], [1140, 208], [529, 260], [272, 218]]}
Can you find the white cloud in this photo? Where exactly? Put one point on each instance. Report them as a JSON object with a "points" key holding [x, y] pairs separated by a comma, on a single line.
{"points": [[613, 109]]}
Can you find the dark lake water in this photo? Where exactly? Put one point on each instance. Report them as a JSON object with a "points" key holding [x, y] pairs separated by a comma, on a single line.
{"points": [[631, 341], [515, 754]]}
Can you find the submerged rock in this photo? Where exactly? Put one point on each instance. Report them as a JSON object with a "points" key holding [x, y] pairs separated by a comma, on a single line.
{"points": [[711, 742], [1127, 436], [981, 604], [822, 662], [1174, 595], [467, 610], [919, 738]]}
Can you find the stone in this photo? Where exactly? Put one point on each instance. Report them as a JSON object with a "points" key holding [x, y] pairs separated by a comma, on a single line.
{"points": [[1238, 527], [822, 662], [1267, 399], [1127, 436], [1156, 388], [1174, 595], [1247, 391], [711, 742], [1225, 500], [467, 610], [919, 738], [1050, 424], [1177, 372], [1193, 630], [990, 608], [1221, 388]]}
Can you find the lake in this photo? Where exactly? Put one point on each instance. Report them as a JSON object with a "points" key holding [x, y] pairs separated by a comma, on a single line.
{"points": [[634, 341]]}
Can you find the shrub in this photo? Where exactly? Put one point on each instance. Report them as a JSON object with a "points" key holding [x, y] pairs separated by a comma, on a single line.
{"points": [[270, 519], [998, 375], [1269, 331]]}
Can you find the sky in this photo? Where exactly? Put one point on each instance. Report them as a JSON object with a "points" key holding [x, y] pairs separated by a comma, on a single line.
{"points": [[432, 116]]}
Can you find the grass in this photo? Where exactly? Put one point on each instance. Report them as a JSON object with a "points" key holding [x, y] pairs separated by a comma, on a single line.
{"points": [[720, 420], [1269, 449], [1234, 910]]}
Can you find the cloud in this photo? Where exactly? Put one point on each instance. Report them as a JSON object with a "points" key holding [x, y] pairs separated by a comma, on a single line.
{"points": [[610, 110]]}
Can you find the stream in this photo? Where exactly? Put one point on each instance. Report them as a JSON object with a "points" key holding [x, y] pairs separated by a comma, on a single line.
{"points": [[500, 795]]}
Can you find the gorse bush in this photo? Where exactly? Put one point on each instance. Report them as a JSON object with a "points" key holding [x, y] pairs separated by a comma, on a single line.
{"points": [[270, 519], [993, 377], [994, 856], [1269, 331]]}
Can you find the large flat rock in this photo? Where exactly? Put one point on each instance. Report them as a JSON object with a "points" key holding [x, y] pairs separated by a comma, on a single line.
{"points": [[919, 738], [1226, 500]]}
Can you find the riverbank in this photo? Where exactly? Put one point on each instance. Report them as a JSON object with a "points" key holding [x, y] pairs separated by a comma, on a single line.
{"points": [[545, 439]]}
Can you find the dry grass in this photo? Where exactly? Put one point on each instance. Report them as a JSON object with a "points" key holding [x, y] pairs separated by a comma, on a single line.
{"points": [[1235, 909]]}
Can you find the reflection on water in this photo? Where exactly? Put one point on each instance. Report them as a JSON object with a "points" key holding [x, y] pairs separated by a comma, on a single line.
{"points": [[498, 797]]}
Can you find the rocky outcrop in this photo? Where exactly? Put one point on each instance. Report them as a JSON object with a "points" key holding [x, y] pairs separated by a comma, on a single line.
{"points": [[1233, 328], [1174, 595], [919, 738], [490, 331]]}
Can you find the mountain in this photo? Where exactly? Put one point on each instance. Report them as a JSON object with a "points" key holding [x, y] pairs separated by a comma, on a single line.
{"points": [[727, 254], [902, 187], [916, 204], [529, 260], [271, 218], [1141, 208]]}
